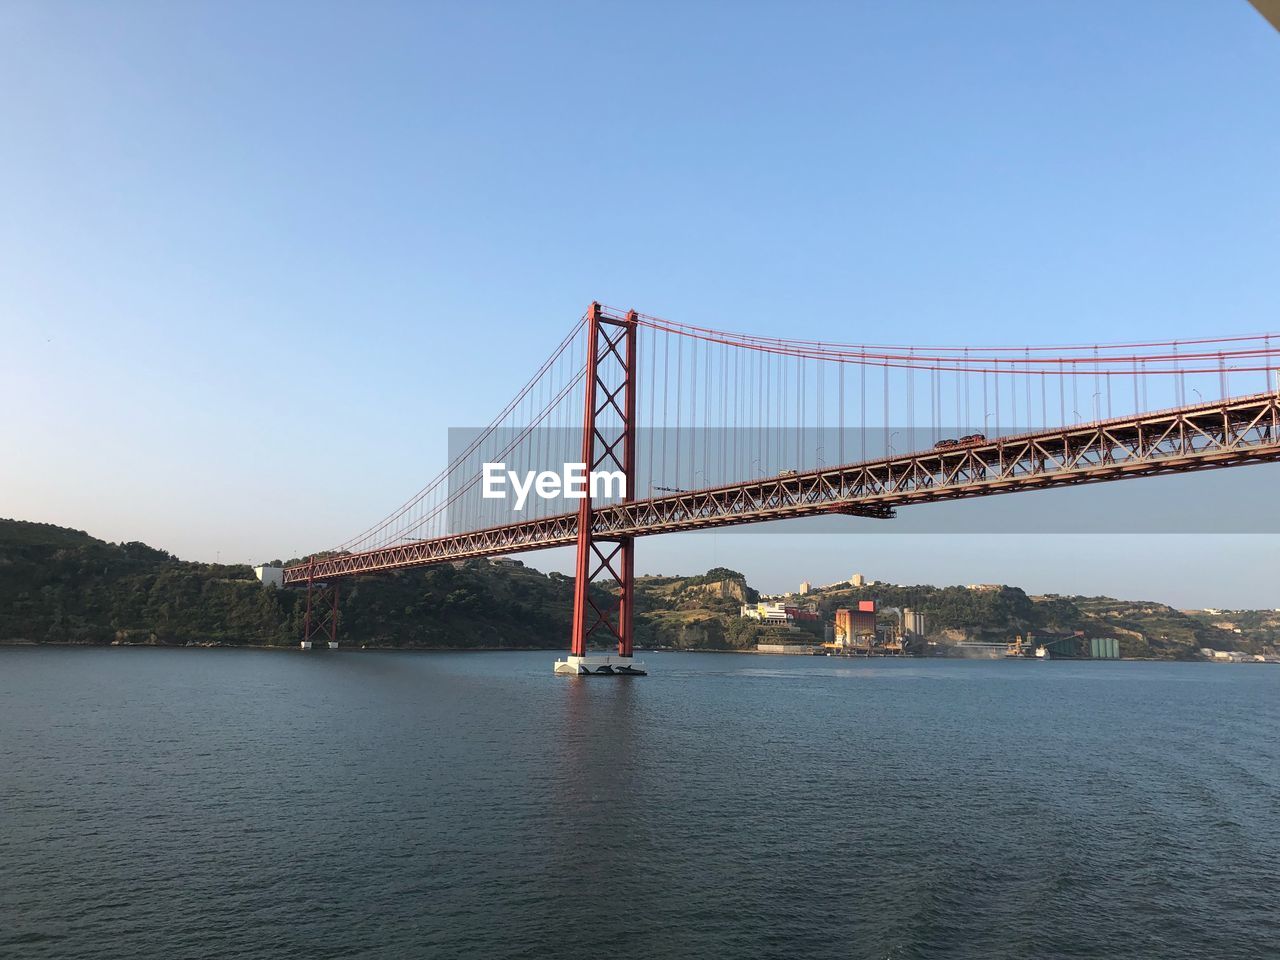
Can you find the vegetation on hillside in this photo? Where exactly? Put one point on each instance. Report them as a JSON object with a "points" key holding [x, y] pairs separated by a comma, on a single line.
{"points": [[60, 585]]}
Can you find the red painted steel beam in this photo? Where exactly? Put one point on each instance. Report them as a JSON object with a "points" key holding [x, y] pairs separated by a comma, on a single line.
{"points": [[627, 583], [1206, 436], [611, 353], [582, 573]]}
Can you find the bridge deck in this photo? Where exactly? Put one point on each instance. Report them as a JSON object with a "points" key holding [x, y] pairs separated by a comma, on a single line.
{"points": [[1225, 433]]}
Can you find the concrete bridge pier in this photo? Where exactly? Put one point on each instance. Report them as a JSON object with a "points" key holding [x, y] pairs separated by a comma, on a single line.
{"points": [[599, 664]]}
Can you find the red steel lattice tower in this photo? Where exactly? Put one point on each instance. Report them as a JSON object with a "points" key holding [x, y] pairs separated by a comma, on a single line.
{"points": [[608, 444], [321, 618]]}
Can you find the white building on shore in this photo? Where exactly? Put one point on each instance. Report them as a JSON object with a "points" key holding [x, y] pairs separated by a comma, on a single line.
{"points": [[269, 574]]}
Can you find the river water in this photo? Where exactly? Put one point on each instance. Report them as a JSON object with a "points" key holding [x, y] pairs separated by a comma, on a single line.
{"points": [[226, 803]]}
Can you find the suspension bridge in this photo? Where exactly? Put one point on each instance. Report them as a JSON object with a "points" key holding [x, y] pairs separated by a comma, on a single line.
{"points": [[708, 428]]}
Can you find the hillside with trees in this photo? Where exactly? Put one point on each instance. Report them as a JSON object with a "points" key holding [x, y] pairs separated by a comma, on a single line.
{"points": [[65, 586]]}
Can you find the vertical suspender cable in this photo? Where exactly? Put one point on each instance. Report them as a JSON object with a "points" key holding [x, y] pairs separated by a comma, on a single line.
{"points": [[862, 409], [653, 426], [1136, 407], [959, 420], [766, 426], [800, 421], [677, 482], [840, 427], [1180, 382], [710, 416], [1097, 385], [728, 412], [884, 373], [911, 399], [666, 423], [820, 404], [1013, 395], [1026, 376]]}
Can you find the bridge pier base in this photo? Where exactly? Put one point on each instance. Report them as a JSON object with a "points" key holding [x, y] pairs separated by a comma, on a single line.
{"points": [[601, 664]]}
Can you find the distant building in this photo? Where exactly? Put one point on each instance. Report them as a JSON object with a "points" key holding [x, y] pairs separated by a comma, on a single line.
{"points": [[775, 612], [1104, 648], [984, 587], [793, 648], [854, 624], [913, 622], [1230, 656], [805, 587], [857, 580], [765, 611], [269, 574]]}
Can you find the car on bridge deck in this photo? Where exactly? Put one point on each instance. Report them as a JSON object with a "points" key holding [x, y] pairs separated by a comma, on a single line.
{"points": [[965, 441]]}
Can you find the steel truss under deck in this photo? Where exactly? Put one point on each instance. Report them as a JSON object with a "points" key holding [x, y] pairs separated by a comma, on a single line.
{"points": [[1208, 436]]}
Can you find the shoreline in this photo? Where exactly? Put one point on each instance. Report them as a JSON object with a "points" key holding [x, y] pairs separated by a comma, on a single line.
{"points": [[558, 649], [219, 645]]}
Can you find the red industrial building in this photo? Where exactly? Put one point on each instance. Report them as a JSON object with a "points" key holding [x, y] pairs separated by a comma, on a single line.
{"points": [[854, 624]]}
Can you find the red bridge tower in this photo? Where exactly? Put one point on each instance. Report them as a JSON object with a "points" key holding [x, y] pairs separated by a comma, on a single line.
{"points": [[609, 445]]}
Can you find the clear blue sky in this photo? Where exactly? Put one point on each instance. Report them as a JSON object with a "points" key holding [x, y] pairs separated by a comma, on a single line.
{"points": [[255, 259]]}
